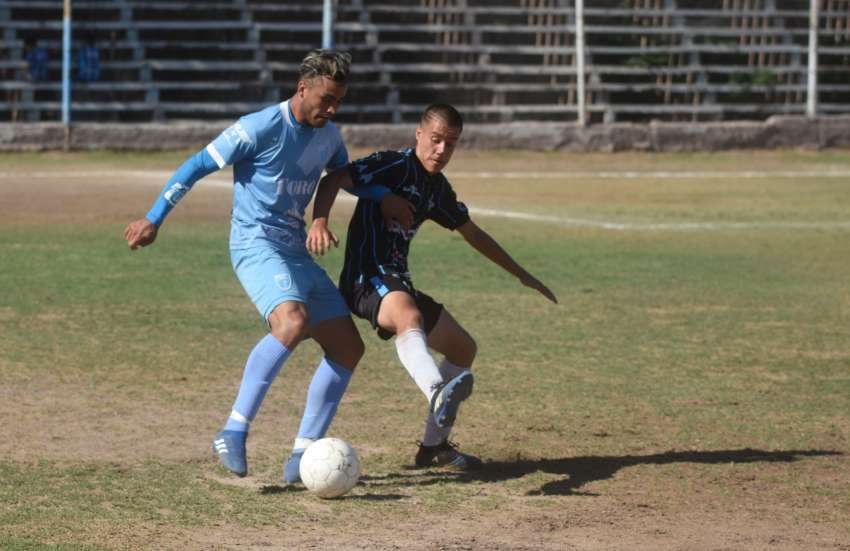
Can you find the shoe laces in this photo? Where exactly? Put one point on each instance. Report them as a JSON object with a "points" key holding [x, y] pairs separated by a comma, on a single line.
{"points": [[444, 445]]}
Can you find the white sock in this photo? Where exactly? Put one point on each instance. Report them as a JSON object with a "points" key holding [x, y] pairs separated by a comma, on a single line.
{"points": [[435, 434], [413, 353]]}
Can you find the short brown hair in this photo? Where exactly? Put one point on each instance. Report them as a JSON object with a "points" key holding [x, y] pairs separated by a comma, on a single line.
{"points": [[326, 63], [445, 113]]}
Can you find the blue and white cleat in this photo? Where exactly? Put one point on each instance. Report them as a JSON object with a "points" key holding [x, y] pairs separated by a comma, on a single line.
{"points": [[292, 469], [229, 445], [447, 398]]}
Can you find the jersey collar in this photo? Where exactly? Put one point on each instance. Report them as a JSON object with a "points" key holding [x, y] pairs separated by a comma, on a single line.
{"points": [[289, 117]]}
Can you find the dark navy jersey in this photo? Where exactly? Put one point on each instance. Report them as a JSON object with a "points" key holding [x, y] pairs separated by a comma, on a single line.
{"points": [[375, 247]]}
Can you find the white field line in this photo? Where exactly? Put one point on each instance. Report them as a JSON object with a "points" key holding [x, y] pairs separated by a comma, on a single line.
{"points": [[653, 226], [158, 177], [655, 175], [222, 180]]}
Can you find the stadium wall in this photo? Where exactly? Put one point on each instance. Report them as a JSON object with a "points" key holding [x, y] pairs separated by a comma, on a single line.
{"points": [[775, 132]]}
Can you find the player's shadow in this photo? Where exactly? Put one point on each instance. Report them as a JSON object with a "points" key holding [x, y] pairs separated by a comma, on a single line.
{"points": [[579, 471]]}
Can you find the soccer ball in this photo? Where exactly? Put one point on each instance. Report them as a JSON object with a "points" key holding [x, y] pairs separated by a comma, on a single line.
{"points": [[329, 467]]}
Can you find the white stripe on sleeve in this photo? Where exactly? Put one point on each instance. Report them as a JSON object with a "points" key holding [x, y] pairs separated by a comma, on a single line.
{"points": [[219, 160]]}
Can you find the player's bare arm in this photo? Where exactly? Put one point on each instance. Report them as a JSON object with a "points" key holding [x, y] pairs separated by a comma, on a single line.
{"points": [[393, 207], [487, 246], [326, 193], [320, 237], [140, 233]]}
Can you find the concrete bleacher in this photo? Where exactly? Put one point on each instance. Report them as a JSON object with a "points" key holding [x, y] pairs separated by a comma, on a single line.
{"points": [[120, 94], [200, 58], [497, 60], [503, 61]]}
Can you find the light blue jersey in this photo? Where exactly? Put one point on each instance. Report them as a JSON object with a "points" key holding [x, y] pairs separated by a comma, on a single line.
{"points": [[277, 163]]}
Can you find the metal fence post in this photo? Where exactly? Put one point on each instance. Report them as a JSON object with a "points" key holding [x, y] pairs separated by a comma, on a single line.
{"points": [[66, 72], [579, 59], [812, 88]]}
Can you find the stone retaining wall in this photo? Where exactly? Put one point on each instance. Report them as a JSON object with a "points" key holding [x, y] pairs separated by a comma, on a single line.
{"points": [[775, 132]]}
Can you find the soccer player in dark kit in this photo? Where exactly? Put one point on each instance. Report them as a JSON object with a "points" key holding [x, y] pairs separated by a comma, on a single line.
{"points": [[377, 285]]}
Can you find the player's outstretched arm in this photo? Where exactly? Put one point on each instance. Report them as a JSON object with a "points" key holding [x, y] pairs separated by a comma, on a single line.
{"points": [[141, 233], [487, 246]]}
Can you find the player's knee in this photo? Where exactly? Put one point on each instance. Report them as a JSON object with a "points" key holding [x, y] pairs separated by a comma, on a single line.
{"points": [[348, 351], [409, 319], [289, 325], [357, 349], [354, 350]]}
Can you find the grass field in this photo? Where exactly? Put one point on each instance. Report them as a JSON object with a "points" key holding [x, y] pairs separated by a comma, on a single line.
{"points": [[690, 391]]}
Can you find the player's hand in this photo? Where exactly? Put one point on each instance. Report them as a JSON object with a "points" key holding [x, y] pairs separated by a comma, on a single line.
{"points": [[320, 238], [537, 285], [399, 209], [140, 233]]}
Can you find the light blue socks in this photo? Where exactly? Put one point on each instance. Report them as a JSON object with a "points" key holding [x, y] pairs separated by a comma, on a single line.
{"points": [[262, 367], [323, 397]]}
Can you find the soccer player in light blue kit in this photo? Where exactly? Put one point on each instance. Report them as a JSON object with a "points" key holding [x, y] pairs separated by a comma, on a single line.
{"points": [[278, 155]]}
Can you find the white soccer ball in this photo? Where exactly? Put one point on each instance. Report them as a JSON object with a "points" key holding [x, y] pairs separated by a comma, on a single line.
{"points": [[329, 467]]}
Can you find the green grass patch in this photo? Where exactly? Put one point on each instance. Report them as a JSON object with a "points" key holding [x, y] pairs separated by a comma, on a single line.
{"points": [[709, 364]]}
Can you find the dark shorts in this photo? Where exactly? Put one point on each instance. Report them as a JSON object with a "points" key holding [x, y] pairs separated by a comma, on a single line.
{"points": [[365, 301]]}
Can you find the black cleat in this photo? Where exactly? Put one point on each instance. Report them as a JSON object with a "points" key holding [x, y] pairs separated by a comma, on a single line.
{"points": [[446, 454]]}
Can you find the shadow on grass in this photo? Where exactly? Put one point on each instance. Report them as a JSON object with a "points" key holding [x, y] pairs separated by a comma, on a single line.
{"points": [[376, 497], [273, 489], [578, 471]]}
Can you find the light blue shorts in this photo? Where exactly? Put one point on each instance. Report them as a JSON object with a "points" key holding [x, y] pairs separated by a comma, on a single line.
{"points": [[271, 277]]}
